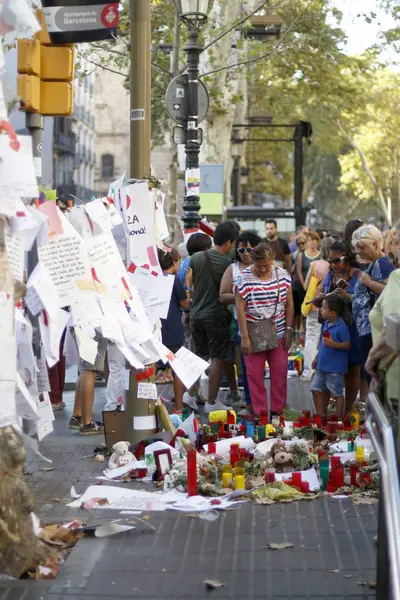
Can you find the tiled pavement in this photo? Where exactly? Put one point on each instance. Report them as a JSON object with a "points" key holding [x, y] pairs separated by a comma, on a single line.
{"points": [[333, 541]]}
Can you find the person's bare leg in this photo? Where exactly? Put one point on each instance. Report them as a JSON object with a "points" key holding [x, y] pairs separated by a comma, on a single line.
{"points": [[214, 380], [179, 390], [77, 412], [352, 381], [321, 403], [84, 395], [339, 407], [229, 371]]}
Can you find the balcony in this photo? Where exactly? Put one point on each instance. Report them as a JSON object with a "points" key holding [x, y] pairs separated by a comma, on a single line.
{"points": [[64, 143], [77, 160]]}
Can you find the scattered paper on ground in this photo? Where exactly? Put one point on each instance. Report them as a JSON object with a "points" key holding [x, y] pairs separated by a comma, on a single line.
{"points": [[283, 546], [213, 584]]}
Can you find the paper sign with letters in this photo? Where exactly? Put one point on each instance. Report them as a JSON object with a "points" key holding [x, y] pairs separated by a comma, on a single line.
{"points": [[188, 366], [15, 253], [86, 311], [104, 257], [45, 417], [147, 391], [42, 376], [139, 220], [51, 332], [152, 288], [67, 262]]}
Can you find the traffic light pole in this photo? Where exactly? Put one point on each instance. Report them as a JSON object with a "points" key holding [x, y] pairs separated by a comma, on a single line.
{"points": [[140, 82], [34, 124]]}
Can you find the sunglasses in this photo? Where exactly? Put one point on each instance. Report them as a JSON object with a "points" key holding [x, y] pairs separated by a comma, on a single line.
{"points": [[243, 250], [300, 243], [335, 261]]}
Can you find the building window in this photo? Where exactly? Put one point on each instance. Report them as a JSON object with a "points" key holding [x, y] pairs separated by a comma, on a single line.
{"points": [[107, 166]]}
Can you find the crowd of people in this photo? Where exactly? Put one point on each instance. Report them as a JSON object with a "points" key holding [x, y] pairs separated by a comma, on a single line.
{"points": [[241, 301]]}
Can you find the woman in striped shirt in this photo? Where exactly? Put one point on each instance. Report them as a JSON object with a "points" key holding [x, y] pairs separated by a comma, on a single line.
{"points": [[264, 292]]}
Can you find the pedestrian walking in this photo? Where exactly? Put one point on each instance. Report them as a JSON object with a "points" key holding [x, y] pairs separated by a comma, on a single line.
{"points": [[332, 360], [264, 304], [304, 258], [368, 245], [245, 245], [209, 319], [318, 269]]}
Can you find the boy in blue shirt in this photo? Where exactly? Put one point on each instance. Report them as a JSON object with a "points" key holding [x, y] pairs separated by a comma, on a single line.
{"points": [[332, 359]]}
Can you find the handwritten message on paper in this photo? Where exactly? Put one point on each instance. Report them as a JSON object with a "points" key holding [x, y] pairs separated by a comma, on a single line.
{"points": [[104, 257], [65, 260], [147, 391], [188, 366], [15, 254]]}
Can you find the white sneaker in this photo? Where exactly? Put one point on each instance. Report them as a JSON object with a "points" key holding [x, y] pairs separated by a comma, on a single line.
{"points": [[190, 401], [217, 406], [306, 378]]}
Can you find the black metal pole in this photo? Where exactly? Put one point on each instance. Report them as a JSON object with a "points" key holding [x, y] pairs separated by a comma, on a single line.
{"points": [[191, 204], [298, 173], [236, 181]]}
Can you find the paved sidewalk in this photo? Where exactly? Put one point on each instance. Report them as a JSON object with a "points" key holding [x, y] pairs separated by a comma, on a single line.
{"points": [[333, 540]]}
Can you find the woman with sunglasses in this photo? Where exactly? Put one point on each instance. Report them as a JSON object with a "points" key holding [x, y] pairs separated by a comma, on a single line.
{"points": [[342, 279], [245, 243]]}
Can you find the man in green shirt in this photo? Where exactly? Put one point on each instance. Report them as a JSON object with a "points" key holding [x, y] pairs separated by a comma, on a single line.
{"points": [[209, 319]]}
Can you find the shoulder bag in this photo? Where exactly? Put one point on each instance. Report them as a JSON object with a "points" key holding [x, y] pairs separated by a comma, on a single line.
{"points": [[262, 333]]}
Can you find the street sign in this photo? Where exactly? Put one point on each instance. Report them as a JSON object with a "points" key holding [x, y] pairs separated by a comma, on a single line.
{"points": [[80, 21], [177, 100]]}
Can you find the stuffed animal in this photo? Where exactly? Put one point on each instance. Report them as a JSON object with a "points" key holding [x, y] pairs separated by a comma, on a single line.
{"points": [[121, 455], [281, 457]]}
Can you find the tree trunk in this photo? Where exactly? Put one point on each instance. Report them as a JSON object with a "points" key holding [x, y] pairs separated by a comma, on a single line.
{"points": [[20, 549], [367, 170]]}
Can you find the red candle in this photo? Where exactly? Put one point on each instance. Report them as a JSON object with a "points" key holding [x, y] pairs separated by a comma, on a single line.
{"points": [[307, 418], [338, 476], [282, 420], [305, 487], [192, 472], [269, 476], [331, 487], [335, 462], [296, 478], [317, 420], [212, 447], [354, 471]]}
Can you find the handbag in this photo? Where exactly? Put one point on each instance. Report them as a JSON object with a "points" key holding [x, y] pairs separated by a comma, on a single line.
{"points": [[311, 292], [262, 333]]}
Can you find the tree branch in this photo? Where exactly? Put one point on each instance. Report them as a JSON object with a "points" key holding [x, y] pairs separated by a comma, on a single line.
{"points": [[367, 169], [224, 33], [105, 68], [266, 54]]}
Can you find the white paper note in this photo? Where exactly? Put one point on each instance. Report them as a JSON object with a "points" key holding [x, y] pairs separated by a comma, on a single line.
{"points": [[8, 364], [104, 257], [67, 261], [86, 346], [144, 423], [17, 168], [26, 405], [43, 284], [99, 216], [44, 423], [51, 335], [15, 253], [161, 222], [188, 366], [139, 221], [42, 376], [8, 410], [147, 391]]}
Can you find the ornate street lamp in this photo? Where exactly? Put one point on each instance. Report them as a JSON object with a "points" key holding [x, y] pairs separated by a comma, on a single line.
{"points": [[193, 14]]}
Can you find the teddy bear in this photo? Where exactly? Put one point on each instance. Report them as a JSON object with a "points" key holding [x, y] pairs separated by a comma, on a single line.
{"points": [[121, 455], [281, 457]]}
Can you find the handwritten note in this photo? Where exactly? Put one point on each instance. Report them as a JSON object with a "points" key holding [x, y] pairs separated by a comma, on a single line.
{"points": [[51, 332], [188, 366], [51, 210], [45, 417], [45, 288], [15, 254], [17, 168], [26, 404], [42, 376], [104, 257], [8, 410], [65, 258], [86, 346], [147, 391], [99, 215], [161, 222]]}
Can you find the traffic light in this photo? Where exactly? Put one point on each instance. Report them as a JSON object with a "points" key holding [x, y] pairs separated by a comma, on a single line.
{"points": [[45, 73]]}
